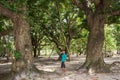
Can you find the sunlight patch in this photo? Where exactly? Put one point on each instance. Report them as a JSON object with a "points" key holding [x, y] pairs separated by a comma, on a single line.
{"points": [[46, 68]]}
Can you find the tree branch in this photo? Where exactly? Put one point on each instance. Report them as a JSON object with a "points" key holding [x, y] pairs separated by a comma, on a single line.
{"points": [[78, 4], [115, 13], [6, 12], [6, 32], [96, 2], [83, 5]]}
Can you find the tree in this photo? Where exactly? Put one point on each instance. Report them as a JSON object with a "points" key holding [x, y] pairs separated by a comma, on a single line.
{"points": [[35, 20], [62, 24], [79, 42], [6, 30], [6, 26], [117, 34], [96, 12], [23, 47]]}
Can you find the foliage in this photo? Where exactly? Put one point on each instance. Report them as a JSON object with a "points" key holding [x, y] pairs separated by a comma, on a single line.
{"points": [[56, 20], [5, 23], [78, 45], [17, 54], [7, 39], [112, 41], [14, 5], [116, 33], [6, 45]]}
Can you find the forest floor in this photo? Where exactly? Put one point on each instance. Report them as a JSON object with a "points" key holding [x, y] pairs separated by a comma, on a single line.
{"points": [[50, 70]]}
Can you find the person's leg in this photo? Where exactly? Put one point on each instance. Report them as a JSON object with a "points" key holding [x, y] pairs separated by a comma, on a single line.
{"points": [[64, 68]]}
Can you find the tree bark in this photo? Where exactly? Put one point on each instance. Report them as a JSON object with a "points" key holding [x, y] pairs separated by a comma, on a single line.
{"points": [[95, 19], [6, 32], [94, 58], [22, 44]]}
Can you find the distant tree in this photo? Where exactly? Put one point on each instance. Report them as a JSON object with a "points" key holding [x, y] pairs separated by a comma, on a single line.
{"points": [[6, 30], [110, 38], [35, 18], [79, 42], [6, 26], [117, 37], [62, 24]]}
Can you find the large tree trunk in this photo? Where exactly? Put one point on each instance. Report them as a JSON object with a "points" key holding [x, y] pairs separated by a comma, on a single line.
{"points": [[22, 45], [94, 58], [21, 67]]}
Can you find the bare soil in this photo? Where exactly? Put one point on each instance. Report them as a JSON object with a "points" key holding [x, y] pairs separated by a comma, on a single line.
{"points": [[50, 70]]}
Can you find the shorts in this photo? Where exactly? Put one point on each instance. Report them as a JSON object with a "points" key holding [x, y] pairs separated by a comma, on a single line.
{"points": [[62, 64]]}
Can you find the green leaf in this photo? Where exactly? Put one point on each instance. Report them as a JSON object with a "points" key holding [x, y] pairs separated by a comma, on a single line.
{"points": [[17, 54]]}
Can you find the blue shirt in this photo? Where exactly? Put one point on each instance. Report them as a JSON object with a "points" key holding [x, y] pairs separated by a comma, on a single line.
{"points": [[63, 57]]}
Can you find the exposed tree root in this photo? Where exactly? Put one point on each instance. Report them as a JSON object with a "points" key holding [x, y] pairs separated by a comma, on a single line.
{"points": [[91, 69], [106, 68], [115, 67], [115, 63], [26, 74]]}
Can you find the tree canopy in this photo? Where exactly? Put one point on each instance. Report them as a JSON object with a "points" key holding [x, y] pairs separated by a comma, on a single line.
{"points": [[89, 27]]}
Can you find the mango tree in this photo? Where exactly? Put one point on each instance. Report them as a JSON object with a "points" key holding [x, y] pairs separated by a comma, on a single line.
{"points": [[16, 11], [96, 12]]}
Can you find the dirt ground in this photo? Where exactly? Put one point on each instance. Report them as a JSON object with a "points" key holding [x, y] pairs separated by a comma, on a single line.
{"points": [[50, 70]]}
